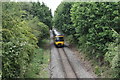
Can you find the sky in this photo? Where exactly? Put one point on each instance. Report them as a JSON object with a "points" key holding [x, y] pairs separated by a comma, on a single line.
{"points": [[52, 4]]}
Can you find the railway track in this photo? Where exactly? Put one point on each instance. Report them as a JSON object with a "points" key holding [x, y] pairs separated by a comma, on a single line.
{"points": [[66, 65]]}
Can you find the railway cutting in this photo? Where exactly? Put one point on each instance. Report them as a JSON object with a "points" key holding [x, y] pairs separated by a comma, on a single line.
{"points": [[64, 64]]}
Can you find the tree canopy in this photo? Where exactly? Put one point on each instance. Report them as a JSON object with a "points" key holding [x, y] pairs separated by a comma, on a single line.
{"points": [[22, 33], [94, 28]]}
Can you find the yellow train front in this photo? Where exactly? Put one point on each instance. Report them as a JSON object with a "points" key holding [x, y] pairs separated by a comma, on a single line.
{"points": [[58, 39]]}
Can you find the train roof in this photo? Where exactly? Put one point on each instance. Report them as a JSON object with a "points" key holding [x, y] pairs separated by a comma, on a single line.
{"points": [[56, 33]]}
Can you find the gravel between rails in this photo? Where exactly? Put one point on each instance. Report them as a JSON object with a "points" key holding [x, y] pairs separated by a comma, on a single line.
{"points": [[75, 62], [64, 64], [55, 66]]}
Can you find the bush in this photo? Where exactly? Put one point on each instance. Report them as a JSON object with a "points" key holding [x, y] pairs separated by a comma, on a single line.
{"points": [[20, 36]]}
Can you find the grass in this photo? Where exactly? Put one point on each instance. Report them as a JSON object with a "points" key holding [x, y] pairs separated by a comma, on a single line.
{"points": [[44, 67], [38, 67], [33, 69]]}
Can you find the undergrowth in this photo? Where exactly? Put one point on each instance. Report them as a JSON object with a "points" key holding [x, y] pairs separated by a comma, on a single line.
{"points": [[38, 67]]}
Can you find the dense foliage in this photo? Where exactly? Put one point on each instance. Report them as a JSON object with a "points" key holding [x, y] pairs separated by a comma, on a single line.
{"points": [[22, 33], [94, 27], [43, 12], [62, 18]]}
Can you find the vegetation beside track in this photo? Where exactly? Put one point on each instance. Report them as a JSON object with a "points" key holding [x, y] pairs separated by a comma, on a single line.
{"points": [[94, 28], [38, 67], [22, 34]]}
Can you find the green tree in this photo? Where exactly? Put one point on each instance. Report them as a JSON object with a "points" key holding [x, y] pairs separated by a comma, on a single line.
{"points": [[21, 34], [62, 19], [42, 12], [93, 27]]}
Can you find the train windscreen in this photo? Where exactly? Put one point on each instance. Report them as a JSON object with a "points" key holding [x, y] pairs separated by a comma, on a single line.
{"points": [[59, 39]]}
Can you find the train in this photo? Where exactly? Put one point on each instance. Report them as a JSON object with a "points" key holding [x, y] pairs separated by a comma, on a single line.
{"points": [[58, 38]]}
